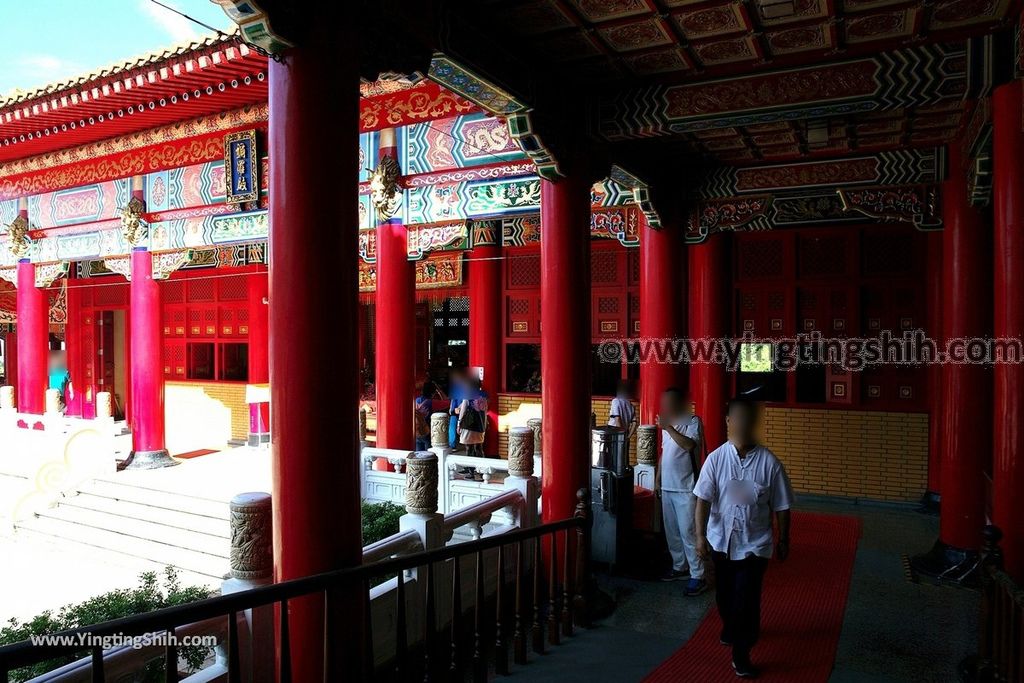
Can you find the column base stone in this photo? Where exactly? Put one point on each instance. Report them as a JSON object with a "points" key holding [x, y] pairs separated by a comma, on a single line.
{"points": [[258, 440], [930, 502], [946, 564], [149, 460]]}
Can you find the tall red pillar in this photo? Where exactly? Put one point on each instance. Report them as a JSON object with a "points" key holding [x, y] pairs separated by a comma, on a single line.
{"points": [[314, 108], [933, 304], [710, 303], [147, 377], [11, 361], [396, 320], [662, 285], [1008, 269], [259, 358], [966, 389], [565, 342], [73, 349], [485, 332], [33, 327]]}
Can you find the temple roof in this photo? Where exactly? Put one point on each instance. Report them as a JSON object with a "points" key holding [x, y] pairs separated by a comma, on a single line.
{"points": [[172, 84]]}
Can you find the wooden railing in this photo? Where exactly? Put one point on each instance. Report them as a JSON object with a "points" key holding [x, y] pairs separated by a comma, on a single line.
{"points": [[1001, 630], [537, 593]]}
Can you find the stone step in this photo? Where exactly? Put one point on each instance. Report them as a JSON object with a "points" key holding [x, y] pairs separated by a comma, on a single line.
{"points": [[123, 525], [159, 554], [179, 519], [195, 505]]}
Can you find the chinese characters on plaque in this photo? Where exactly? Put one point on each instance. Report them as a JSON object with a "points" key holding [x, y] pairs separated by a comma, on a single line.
{"points": [[241, 167]]}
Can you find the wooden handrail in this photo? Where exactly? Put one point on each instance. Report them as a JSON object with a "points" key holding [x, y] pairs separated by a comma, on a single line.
{"points": [[26, 653]]}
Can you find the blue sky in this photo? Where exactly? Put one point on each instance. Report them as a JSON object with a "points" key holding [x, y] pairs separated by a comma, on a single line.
{"points": [[52, 40]]}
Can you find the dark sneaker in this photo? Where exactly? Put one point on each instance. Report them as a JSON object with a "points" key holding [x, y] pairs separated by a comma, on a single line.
{"points": [[745, 669], [695, 587], [675, 575]]}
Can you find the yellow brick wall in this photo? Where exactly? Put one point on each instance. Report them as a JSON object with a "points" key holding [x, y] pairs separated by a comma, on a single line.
{"points": [[851, 453], [204, 414], [515, 409]]}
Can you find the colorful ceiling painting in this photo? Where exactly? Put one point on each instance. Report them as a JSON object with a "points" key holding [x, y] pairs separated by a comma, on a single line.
{"points": [[691, 39]]}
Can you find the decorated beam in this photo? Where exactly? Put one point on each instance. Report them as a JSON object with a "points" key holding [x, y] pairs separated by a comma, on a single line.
{"points": [[917, 76]]}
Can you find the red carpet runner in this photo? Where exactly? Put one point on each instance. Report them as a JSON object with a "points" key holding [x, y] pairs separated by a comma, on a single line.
{"points": [[801, 612]]}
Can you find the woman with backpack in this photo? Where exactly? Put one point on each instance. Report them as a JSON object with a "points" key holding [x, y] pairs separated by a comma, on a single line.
{"points": [[472, 423]]}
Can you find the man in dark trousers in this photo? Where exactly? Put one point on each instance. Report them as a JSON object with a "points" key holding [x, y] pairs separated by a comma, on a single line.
{"points": [[741, 485]]}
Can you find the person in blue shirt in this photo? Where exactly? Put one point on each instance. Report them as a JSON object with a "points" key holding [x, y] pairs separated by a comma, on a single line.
{"points": [[60, 378], [456, 392]]}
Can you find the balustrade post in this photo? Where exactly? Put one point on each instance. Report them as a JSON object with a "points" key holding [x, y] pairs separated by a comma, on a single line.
{"points": [[8, 408], [52, 417], [252, 566], [439, 446], [584, 589], [363, 443], [646, 470], [520, 474], [421, 475], [534, 423]]}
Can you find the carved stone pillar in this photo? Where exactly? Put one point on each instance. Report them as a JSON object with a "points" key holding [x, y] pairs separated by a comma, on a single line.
{"points": [[104, 407], [7, 398], [251, 554], [439, 430], [647, 445], [534, 424], [520, 452], [421, 483], [52, 401], [362, 426]]}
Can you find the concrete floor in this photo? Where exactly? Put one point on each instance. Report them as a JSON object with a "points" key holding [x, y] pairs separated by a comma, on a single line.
{"points": [[893, 630]]}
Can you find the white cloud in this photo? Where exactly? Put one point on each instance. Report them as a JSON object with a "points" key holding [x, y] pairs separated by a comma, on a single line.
{"points": [[40, 69], [178, 28]]}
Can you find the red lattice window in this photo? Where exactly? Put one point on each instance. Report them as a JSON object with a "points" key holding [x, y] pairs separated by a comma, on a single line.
{"points": [[761, 258], [817, 256], [111, 294], [608, 304], [234, 289], [524, 270], [891, 255], [604, 267], [173, 292], [201, 290]]}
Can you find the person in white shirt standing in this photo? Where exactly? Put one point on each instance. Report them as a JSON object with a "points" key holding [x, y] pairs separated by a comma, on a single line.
{"points": [[682, 445], [621, 413], [741, 485]]}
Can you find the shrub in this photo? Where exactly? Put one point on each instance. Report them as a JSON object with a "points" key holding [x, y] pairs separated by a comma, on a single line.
{"points": [[149, 595], [380, 520]]}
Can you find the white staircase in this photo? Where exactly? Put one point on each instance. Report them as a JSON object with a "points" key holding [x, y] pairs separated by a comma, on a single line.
{"points": [[145, 526]]}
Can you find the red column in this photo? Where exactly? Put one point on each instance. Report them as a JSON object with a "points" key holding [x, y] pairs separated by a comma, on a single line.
{"points": [[11, 361], [396, 320], [33, 327], [73, 348], [565, 342], [485, 331], [1008, 218], [966, 389], [314, 108], [662, 281], [710, 297], [259, 335], [147, 377], [933, 304], [259, 355]]}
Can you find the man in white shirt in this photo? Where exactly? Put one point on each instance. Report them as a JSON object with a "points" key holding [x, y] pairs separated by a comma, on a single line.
{"points": [[622, 414], [682, 445], [741, 485]]}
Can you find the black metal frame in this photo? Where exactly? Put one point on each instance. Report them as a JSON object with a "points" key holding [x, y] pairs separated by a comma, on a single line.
{"points": [[565, 605]]}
